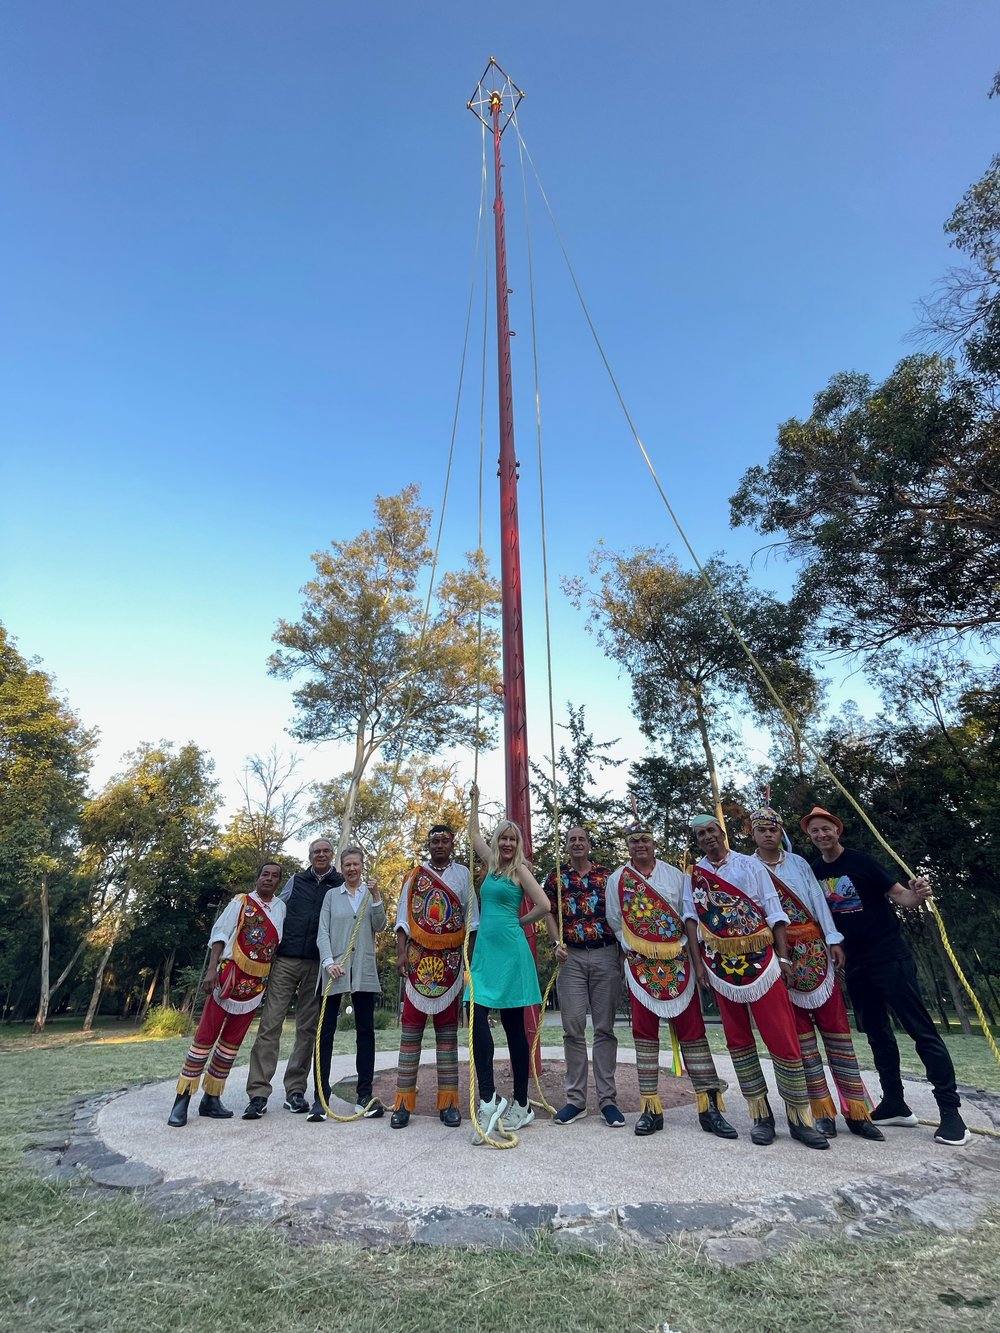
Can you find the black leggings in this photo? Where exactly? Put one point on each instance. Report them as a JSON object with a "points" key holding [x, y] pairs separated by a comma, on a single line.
{"points": [[517, 1044], [364, 1022]]}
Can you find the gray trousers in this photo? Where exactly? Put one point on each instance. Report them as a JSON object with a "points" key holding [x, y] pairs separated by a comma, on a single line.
{"points": [[590, 978], [290, 979]]}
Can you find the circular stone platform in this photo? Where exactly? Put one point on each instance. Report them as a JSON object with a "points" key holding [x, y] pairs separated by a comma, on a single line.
{"points": [[590, 1185]]}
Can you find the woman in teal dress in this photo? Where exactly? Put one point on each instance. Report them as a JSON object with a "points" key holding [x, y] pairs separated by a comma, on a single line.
{"points": [[503, 971]]}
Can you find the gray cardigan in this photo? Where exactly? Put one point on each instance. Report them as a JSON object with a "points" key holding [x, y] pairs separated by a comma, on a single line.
{"points": [[336, 922]]}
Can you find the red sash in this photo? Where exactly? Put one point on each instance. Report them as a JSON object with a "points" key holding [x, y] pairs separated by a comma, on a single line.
{"points": [[242, 977], [657, 968], [736, 941], [436, 920], [813, 978]]}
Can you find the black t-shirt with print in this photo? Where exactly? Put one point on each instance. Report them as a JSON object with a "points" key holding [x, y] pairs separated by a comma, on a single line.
{"points": [[855, 886]]}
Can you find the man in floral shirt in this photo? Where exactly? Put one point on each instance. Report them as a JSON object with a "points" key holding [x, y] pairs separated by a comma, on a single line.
{"points": [[590, 978]]}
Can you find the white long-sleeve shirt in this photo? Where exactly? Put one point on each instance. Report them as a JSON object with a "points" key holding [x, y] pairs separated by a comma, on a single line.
{"points": [[665, 878], [748, 875], [225, 927]]}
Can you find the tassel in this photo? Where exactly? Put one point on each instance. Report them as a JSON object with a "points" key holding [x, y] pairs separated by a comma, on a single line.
{"points": [[651, 948], [447, 1097], [702, 1102], [678, 1068], [213, 1087], [758, 1107], [188, 1085], [652, 1104], [823, 1108], [731, 946], [406, 1100], [857, 1110], [799, 1115]]}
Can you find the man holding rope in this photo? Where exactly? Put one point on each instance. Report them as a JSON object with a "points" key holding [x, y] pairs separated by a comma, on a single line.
{"points": [[863, 897], [436, 908]]}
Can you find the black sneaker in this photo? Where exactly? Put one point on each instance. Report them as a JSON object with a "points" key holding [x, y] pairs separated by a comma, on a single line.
{"points": [[893, 1112], [296, 1103], [256, 1107], [952, 1130], [374, 1111], [316, 1113]]}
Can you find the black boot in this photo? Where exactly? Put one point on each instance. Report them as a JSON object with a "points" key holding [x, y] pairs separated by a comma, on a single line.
{"points": [[808, 1134], [865, 1130], [762, 1132], [212, 1107], [179, 1114], [650, 1122], [827, 1126], [712, 1121]]}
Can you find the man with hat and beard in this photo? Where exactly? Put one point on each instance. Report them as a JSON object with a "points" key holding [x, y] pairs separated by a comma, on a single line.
{"points": [[814, 946], [863, 897], [734, 918], [643, 906]]}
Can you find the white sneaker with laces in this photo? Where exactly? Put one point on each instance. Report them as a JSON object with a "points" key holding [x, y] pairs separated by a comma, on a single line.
{"points": [[517, 1117], [489, 1117]]}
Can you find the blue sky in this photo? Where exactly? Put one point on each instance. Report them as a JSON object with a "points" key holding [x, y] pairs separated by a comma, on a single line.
{"points": [[238, 240]]}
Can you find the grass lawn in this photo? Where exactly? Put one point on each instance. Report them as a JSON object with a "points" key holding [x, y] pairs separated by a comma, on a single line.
{"points": [[71, 1262]]}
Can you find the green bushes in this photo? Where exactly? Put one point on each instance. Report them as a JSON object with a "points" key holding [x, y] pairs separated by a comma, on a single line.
{"points": [[165, 1021]]}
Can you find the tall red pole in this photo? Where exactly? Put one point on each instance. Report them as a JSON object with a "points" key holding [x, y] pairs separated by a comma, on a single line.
{"points": [[515, 716]]}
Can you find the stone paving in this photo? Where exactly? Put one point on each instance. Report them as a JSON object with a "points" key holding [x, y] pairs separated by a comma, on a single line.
{"points": [[588, 1187]]}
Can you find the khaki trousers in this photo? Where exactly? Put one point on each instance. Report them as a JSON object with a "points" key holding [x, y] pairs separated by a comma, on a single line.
{"points": [[290, 979], [590, 978]]}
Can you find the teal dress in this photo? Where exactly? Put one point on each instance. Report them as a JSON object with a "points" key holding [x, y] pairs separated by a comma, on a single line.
{"points": [[503, 970]]}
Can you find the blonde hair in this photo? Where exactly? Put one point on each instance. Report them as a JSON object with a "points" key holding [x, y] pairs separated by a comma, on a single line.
{"points": [[517, 860]]}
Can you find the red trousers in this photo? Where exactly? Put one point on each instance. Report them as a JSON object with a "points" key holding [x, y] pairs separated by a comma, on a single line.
{"points": [[774, 1015], [220, 1035], [689, 1026]]}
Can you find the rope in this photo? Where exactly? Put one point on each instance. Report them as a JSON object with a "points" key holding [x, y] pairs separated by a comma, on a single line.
{"points": [[317, 1080], [751, 656]]}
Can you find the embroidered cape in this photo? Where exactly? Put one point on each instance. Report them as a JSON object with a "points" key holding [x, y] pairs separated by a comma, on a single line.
{"points": [[436, 920], [813, 977], [657, 968], [240, 987], [736, 941]]}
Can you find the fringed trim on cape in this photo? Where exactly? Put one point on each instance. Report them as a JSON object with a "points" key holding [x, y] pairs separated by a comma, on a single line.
{"points": [[652, 1104], [814, 999], [249, 965], [237, 1006], [731, 945], [651, 948], [438, 1006], [447, 1097], [439, 943], [662, 1008], [802, 932], [406, 1100], [753, 990]]}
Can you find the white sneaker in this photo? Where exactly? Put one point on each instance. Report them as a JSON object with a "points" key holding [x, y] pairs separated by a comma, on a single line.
{"points": [[517, 1117], [489, 1117]]}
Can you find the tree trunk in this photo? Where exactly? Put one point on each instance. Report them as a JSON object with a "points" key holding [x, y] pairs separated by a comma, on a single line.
{"points": [[144, 1007], [351, 799], [43, 992], [68, 968], [95, 994], [951, 979], [713, 775], [168, 968]]}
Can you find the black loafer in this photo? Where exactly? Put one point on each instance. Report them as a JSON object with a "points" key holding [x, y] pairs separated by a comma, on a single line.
{"points": [[763, 1133], [648, 1123], [866, 1130], [808, 1134], [451, 1116], [827, 1126], [400, 1118]]}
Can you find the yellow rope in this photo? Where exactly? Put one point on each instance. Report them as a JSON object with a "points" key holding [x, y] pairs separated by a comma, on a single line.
{"points": [[751, 656]]}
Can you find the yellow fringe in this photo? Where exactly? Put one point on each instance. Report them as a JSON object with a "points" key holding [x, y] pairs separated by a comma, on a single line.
{"points": [[214, 1087], [858, 1110], [733, 946], [248, 965], [652, 1104], [446, 1099], [802, 933], [799, 1115], [704, 1102], [650, 948], [758, 1107], [406, 1101], [823, 1107], [188, 1085], [436, 943]]}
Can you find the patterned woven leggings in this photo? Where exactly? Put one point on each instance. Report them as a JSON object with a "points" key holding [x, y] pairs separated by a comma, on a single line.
{"points": [[832, 1024], [220, 1035], [776, 1024], [446, 1042], [697, 1056]]}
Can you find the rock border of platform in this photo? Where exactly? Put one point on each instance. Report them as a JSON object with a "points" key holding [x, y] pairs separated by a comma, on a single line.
{"points": [[949, 1193]]}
